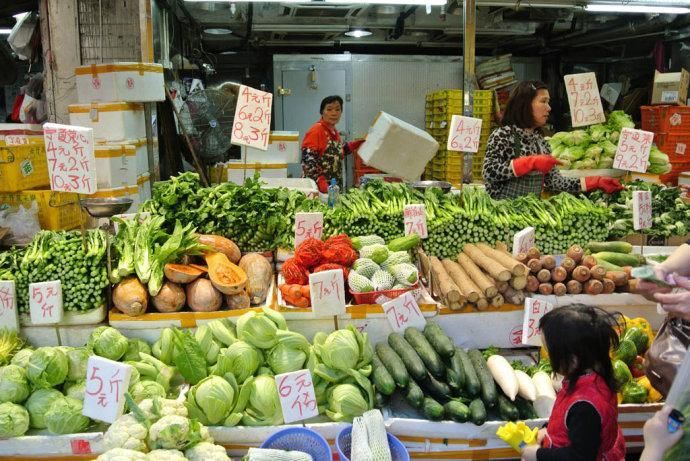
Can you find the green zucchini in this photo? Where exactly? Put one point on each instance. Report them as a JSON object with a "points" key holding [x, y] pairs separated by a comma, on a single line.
{"points": [[619, 259], [489, 394], [432, 409], [439, 390], [438, 339], [457, 411], [477, 412], [471, 380], [414, 394], [614, 247], [393, 363], [525, 408], [382, 379], [425, 351], [407, 354], [506, 409]]}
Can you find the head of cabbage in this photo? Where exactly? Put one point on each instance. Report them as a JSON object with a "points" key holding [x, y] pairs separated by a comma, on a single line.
{"points": [[14, 420], [146, 390], [14, 386], [21, 358], [241, 359], [341, 351], [345, 402], [257, 329], [211, 400], [134, 346], [39, 403], [290, 353], [76, 390], [263, 407], [64, 417], [108, 342], [48, 367], [78, 358]]}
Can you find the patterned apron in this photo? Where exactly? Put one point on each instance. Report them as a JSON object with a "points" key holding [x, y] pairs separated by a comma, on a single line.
{"points": [[531, 183], [331, 162]]}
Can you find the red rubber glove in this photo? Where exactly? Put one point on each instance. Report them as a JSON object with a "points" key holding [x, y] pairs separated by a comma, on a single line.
{"points": [[542, 163], [354, 145], [322, 184], [608, 185]]}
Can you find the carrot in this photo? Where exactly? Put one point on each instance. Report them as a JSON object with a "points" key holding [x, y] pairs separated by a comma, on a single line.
{"points": [[533, 253], [598, 272], [574, 287], [609, 286], [534, 265], [546, 288], [544, 275], [548, 262], [568, 264], [589, 261], [576, 253], [294, 291], [559, 289], [284, 289], [581, 273], [306, 292], [619, 278], [558, 274], [532, 284], [298, 302], [594, 287]]}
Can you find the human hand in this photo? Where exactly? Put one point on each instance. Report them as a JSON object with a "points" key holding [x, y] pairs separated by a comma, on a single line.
{"points": [[322, 184], [677, 303], [542, 163], [529, 453], [540, 435], [649, 289], [657, 438], [608, 185]]}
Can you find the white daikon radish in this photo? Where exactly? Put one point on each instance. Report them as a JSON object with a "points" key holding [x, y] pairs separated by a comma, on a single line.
{"points": [[543, 385], [543, 405], [526, 388], [557, 382], [504, 375]]}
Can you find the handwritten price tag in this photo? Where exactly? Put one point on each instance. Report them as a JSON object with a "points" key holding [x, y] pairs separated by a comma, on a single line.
{"points": [[464, 133], [16, 140], [632, 153], [71, 163], [523, 241], [403, 312], [680, 148], [308, 225], [252, 118], [106, 384], [327, 293], [415, 220], [642, 209], [8, 305], [535, 309], [45, 302], [584, 99], [297, 395]]}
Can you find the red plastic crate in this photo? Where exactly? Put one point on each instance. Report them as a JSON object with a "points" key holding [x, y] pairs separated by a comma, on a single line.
{"points": [[666, 119], [676, 146], [372, 296]]}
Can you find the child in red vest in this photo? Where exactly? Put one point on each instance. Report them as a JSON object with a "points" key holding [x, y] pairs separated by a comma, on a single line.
{"points": [[584, 420]]}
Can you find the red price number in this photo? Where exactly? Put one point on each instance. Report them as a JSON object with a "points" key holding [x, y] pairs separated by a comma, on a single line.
{"points": [[308, 225], [414, 219], [45, 302], [297, 396], [584, 99], [252, 118], [8, 300], [632, 153], [106, 383], [403, 312], [535, 309], [464, 134], [325, 289], [327, 293], [642, 210], [71, 163], [105, 389]]}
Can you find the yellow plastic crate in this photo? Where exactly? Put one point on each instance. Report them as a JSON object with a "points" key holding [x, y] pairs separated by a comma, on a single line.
{"points": [[483, 94], [56, 210], [23, 167], [448, 94], [482, 105]]}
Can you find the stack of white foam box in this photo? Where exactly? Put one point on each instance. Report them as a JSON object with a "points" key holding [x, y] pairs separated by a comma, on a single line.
{"points": [[283, 148], [111, 98]]}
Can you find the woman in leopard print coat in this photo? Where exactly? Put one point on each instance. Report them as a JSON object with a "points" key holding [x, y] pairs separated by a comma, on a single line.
{"points": [[518, 158]]}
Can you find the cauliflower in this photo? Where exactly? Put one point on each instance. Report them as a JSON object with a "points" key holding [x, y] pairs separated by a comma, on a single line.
{"points": [[157, 408], [166, 455], [175, 432], [205, 451], [126, 432], [121, 454]]}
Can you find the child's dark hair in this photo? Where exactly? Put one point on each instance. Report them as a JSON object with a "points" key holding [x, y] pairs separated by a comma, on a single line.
{"points": [[579, 338]]}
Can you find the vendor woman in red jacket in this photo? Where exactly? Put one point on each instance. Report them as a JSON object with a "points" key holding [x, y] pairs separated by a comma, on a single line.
{"points": [[322, 148]]}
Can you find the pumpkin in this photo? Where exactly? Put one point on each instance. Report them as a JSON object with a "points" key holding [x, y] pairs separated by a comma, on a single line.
{"points": [[259, 276], [222, 245], [226, 277]]}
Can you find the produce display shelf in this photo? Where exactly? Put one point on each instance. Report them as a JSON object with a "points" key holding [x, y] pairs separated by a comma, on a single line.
{"points": [[45, 446], [90, 317]]}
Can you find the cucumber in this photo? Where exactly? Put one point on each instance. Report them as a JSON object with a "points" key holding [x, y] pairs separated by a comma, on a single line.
{"points": [[489, 394], [441, 343], [525, 408], [412, 362], [614, 247], [454, 373], [477, 412], [457, 411], [439, 390], [393, 363], [453, 381], [427, 353], [381, 400], [506, 409], [414, 395], [432, 409], [404, 243], [472, 385], [382, 379], [619, 259]]}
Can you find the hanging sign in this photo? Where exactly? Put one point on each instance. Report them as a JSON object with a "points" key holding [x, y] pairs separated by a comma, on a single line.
{"points": [[464, 133], [327, 293], [252, 122], [584, 99], [71, 162]]}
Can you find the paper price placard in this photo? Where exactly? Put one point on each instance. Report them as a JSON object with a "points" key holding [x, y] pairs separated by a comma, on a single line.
{"points": [[680, 148], [415, 220], [252, 122], [642, 209], [523, 241], [327, 293], [584, 99], [297, 395], [464, 133], [16, 140], [8, 305], [71, 162], [403, 312], [45, 302], [535, 309], [106, 384], [632, 153], [308, 225]]}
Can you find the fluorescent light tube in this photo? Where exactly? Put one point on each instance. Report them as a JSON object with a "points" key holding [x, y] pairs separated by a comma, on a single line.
{"points": [[389, 2], [627, 8], [5, 31]]}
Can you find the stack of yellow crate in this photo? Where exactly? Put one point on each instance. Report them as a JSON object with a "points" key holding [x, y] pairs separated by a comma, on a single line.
{"points": [[483, 108]]}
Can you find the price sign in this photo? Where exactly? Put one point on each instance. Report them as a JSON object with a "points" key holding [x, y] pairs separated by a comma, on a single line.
{"points": [[584, 100], [8, 305], [45, 302], [252, 118], [106, 384], [297, 395], [632, 153], [680, 148], [16, 140], [523, 241], [308, 225], [415, 220], [403, 312], [642, 209], [327, 293], [71, 163], [464, 133], [535, 309]]}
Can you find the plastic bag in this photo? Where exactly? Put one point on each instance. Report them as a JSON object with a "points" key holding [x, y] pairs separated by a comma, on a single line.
{"points": [[23, 224], [21, 35]]}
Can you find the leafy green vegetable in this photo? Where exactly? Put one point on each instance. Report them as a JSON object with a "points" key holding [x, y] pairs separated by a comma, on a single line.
{"points": [[211, 400], [39, 403], [108, 342], [14, 420], [48, 367], [64, 417], [240, 359], [263, 407], [188, 357], [14, 386]]}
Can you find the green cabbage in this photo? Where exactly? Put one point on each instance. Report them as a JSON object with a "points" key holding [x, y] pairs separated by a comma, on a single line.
{"points": [[108, 342], [241, 359], [608, 147], [598, 132], [76, 390], [64, 417], [48, 367], [78, 358], [39, 403], [211, 400], [559, 138], [619, 120], [134, 346], [257, 329], [345, 402], [14, 420], [21, 358], [209, 346], [147, 390], [290, 353], [13, 384], [263, 407]]}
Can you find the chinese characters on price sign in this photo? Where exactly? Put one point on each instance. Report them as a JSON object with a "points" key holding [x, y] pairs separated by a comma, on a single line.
{"points": [[535, 309], [632, 153], [297, 396], [16, 140], [584, 100], [642, 209], [415, 220], [680, 148], [308, 225], [523, 241], [71, 163], [8, 305], [403, 312], [327, 293], [464, 133], [252, 120], [45, 302], [106, 384]]}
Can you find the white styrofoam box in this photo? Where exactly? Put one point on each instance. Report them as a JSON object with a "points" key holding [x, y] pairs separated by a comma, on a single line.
{"points": [[283, 147], [123, 81], [20, 133], [114, 121], [239, 171], [141, 145], [684, 178], [131, 191], [304, 185], [115, 165], [398, 148], [144, 184]]}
